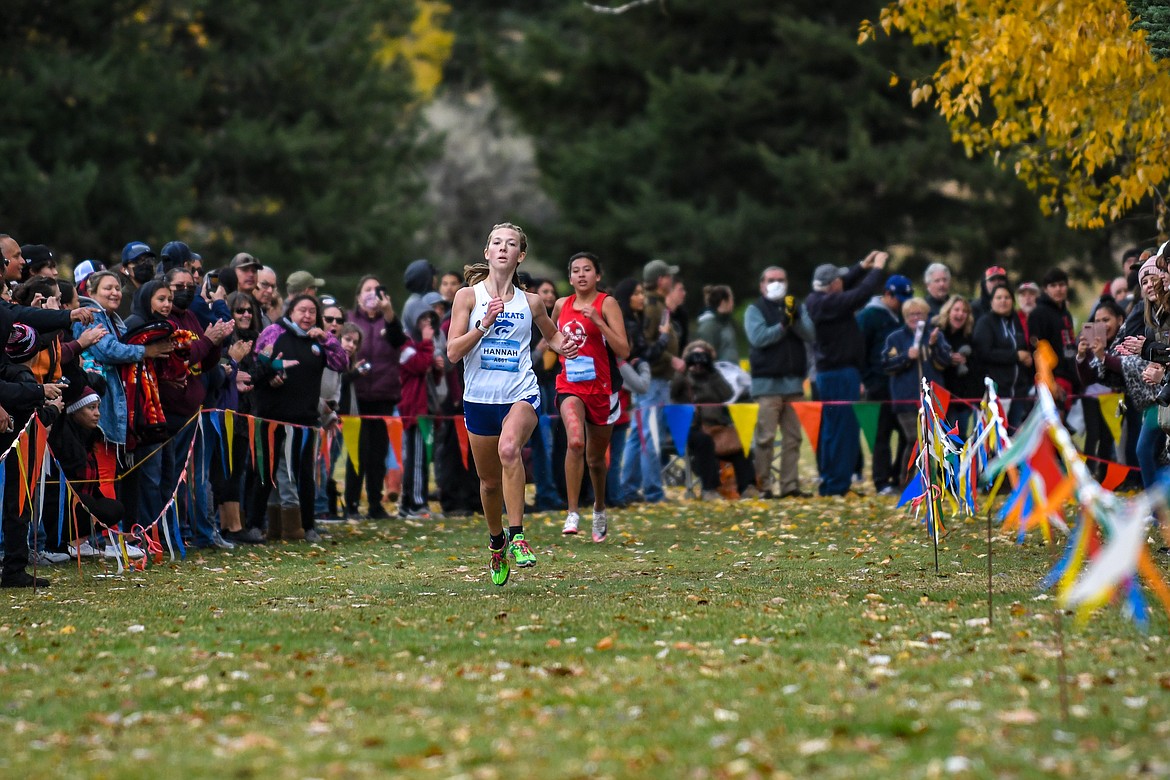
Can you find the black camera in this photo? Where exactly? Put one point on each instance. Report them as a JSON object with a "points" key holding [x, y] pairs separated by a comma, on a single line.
{"points": [[699, 359], [1156, 352]]}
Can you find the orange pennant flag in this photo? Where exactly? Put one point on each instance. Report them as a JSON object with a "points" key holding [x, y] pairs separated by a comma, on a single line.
{"points": [[107, 469], [394, 431], [1115, 474], [23, 455], [39, 461], [461, 434], [1045, 361], [809, 414], [943, 396]]}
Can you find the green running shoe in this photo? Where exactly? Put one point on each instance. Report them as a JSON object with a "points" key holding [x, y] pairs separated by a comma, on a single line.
{"points": [[499, 567], [521, 552]]}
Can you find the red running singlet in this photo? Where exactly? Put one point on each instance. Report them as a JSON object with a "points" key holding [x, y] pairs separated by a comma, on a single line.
{"points": [[588, 373]]}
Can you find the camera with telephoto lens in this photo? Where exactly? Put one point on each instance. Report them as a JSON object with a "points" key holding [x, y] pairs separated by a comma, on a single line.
{"points": [[699, 359], [1156, 352]]}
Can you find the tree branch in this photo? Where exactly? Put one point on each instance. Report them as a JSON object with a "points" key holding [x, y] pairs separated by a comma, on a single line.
{"points": [[621, 9]]}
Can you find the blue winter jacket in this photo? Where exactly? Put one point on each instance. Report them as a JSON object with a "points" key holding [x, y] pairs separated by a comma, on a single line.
{"points": [[105, 356], [904, 384]]}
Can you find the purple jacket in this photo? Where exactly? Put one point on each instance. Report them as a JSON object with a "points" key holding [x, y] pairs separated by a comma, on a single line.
{"points": [[381, 341]]}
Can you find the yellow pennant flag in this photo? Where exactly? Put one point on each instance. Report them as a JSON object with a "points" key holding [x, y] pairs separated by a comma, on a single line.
{"points": [[229, 430], [743, 417], [351, 428], [1111, 411]]}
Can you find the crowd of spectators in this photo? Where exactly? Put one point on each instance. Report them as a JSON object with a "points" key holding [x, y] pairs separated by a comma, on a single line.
{"points": [[118, 363]]}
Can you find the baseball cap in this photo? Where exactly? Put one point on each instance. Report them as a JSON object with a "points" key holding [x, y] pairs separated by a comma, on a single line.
{"points": [[85, 268], [900, 287], [433, 298], [299, 281], [175, 254], [824, 275], [656, 268], [1028, 287], [135, 250], [994, 271], [245, 260], [37, 256]]}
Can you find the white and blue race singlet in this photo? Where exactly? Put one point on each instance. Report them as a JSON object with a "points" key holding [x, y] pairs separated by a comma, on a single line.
{"points": [[499, 369]]}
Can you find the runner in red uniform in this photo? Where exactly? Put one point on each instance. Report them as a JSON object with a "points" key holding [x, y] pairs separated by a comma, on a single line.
{"points": [[586, 392]]}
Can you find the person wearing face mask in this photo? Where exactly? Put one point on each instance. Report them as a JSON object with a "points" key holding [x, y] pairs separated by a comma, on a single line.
{"points": [[137, 268], [182, 391], [778, 331]]}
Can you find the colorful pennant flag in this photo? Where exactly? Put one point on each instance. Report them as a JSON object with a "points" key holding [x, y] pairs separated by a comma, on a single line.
{"points": [[809, 414], [744, 417]]}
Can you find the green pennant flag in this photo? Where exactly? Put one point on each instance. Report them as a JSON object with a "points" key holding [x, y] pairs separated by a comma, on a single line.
{"points": [[867, 413], [259, 444], [426, 430]]}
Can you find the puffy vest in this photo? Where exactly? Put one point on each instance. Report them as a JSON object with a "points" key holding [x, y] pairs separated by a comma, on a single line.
{"points": [[785, 358]]}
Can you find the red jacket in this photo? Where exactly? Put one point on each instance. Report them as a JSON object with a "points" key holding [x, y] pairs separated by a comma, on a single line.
{"points": [[416, 362], [180, 382]]}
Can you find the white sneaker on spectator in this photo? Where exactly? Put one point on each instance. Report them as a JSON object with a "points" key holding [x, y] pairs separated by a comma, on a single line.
{"points": [[83, 550], [135, 553], [46, 558]]}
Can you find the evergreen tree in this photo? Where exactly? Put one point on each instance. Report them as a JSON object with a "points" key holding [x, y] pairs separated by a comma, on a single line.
{"points": [[1154, 18], [271, 127], [726, 137]]}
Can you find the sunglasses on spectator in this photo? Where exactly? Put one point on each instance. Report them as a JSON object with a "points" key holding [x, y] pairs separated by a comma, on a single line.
{"points": [[177, 287], [335, 320], [244, 310]]}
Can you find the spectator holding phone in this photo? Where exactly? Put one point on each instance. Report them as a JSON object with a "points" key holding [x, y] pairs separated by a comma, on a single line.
{"points": [[1100, 372], [378, 388], [641, 466]]}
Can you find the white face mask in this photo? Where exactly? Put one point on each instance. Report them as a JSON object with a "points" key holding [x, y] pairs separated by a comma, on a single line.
{"points": [[776, 291]]}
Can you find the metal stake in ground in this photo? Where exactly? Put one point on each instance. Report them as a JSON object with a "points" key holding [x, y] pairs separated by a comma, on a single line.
{"points": [[990, 610], [1062, 678]]}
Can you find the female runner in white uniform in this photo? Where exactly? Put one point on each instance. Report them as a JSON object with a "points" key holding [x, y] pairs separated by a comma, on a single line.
{"points": [[491, 327]]}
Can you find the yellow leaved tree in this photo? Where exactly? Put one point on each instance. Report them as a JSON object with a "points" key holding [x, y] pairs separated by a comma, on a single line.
{"points": [[1064, 91], [424, 49]]}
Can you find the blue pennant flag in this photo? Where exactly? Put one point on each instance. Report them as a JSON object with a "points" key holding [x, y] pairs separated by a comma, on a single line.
{"points": [[678, 420]]}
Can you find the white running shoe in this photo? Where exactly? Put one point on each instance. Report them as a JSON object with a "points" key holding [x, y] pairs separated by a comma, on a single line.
{"points": [[135, 553], [46, 558], [572, 520], [83, 550], [600, 525]]}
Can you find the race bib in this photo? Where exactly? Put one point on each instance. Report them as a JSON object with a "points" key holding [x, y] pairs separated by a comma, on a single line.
{"points": [[580, 369], [500, 355]]}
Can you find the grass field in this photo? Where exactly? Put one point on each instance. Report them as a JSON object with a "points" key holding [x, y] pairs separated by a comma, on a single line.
{"points": [[747, 639]]}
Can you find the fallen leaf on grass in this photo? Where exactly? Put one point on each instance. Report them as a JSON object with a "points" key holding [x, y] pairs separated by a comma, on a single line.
{"points": [[250, 741], [605, 643], [1022, 717], [810, 747]]}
